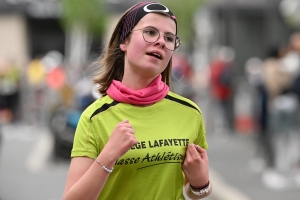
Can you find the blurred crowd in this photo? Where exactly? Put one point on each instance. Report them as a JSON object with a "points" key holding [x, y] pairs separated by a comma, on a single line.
{"points": [[265, 102], [276, 80], [32, 93]]}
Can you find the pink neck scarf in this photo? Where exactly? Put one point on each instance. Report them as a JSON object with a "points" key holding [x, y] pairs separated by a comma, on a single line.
{"points": [[155, 91]]}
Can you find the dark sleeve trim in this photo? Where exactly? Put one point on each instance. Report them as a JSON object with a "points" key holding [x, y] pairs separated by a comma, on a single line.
{"points": [[181, 102], [103, 108]]}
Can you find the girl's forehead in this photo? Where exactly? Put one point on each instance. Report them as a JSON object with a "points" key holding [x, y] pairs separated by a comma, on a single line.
{"points": [[159, 21]]}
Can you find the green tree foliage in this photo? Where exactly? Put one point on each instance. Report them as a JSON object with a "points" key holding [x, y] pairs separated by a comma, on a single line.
{"points": [[185, 11], [91, 13]]}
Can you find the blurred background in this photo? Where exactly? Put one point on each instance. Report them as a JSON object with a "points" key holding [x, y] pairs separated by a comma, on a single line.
{"points": [[239, 61]]}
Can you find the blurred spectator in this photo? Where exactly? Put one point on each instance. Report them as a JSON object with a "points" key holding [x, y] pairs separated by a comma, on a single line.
{"points": [[264, 151], [9, 90], [181, 76], [36, 73], [35, 98], [66, 96], [279, 117], [56, 78], [221, 86], [295, 52], [84, 93]]}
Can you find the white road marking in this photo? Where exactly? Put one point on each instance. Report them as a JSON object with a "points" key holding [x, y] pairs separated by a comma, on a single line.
{"points": [[223, 190], [40, 153], [41, 139]]}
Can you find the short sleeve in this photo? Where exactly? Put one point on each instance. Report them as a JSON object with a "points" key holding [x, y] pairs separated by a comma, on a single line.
{"points": [[201, 136], [84, 140]]}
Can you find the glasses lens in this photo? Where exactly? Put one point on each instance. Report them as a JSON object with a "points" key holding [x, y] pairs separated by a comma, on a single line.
{"points": [[150, 35], [177, 43], [172, 42]]}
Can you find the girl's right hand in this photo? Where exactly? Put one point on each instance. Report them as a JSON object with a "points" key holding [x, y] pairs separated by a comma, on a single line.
{"points": [[121, 140]]}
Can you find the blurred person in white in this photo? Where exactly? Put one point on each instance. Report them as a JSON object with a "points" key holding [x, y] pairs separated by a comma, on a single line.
{"points": [[293, 63], [283, 105], [268, 80], [139, 140], [263, 151]]}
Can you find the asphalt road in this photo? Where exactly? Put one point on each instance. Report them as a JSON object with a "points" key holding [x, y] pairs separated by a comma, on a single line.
{"points": [[28, 171], [230, 159]]}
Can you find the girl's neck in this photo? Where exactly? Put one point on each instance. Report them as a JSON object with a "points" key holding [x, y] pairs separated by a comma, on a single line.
{"points": [[136, 83]]}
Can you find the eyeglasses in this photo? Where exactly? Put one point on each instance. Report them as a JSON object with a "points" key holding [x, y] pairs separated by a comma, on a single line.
{"points": [[151, 35]]}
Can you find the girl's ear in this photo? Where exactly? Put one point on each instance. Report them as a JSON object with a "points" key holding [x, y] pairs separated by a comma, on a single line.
{"points": [[123, 47]]}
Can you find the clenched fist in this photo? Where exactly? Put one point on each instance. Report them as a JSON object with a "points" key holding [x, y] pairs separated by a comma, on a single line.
{"points": [[121, 140], [196, 166]]}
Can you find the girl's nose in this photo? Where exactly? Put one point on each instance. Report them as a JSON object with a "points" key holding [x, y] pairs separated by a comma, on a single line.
{"points": [[160, 41]]}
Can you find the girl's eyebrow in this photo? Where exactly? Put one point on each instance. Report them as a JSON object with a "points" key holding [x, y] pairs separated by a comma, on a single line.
{"points": [[158, 30]]}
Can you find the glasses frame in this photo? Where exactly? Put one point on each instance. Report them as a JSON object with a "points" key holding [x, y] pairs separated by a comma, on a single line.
{"points": [[177, 38]]}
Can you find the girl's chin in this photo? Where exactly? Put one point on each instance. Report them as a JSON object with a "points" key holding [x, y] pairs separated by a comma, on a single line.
{"points": [[152, 72]]}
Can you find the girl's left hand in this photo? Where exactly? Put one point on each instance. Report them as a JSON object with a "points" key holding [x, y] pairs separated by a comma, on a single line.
{"points": [[195, 166]]}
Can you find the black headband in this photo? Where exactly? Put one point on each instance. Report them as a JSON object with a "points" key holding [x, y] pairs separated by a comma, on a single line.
{"points": [[138, 11]]}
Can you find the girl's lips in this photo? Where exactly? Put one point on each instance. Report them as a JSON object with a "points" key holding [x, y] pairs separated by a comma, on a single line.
{"points": [[155, 54]]}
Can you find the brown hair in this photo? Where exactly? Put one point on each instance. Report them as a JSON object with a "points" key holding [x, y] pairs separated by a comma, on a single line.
{"points": [[111, 62]]}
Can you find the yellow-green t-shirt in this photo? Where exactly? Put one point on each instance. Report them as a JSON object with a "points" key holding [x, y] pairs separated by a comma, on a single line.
{"points": [[151, 170]]}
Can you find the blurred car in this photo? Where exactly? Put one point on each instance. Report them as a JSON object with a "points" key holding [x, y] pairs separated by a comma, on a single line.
{"points": [[63, 124]]}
